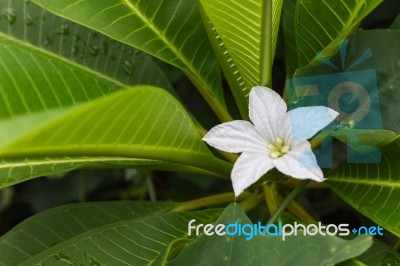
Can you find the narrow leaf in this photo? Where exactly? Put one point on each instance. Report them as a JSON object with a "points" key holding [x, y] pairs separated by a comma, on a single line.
{"points": [[13, 171], [244, 36]]}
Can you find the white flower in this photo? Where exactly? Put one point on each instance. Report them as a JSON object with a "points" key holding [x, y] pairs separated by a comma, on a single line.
{"points": [[276, 138]]}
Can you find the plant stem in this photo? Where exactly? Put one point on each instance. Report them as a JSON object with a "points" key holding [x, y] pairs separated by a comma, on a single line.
{"points": [[319, 138], [150, 187], [271, 196], [295, 192], [397, 245], [231, 157], [251, 202], [208, 201], [296, 209]]}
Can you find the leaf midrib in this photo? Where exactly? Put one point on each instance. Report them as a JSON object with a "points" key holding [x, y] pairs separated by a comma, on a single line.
{"points": [[63, 59], [68, 160], [385, 183], [203, 161]]}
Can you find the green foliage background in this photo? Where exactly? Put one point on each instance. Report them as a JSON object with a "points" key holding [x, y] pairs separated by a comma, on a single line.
{"points": [[131, 86]]}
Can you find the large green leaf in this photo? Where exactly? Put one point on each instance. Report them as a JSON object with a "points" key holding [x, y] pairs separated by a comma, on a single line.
{"points": [[372, 188], [57, 225], [170, 30], [295, 250], [318, 26], [142, 122], [114, 233], [47, 62], [244, 36]]}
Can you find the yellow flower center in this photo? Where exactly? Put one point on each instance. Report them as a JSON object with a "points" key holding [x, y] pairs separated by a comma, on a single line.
{"points": [[278, 149]]}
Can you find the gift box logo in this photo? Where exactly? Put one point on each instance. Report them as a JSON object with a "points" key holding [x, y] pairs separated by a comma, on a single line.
{"points": [[352, 93]]}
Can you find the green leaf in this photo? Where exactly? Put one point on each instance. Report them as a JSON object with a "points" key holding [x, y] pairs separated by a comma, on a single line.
{"points": [[352, 262], [243, 35], [170, 30], [13, 171], [291, 56], [141, 122], [381, 72], [380, 254], [295, 250], [372, 188], [48, 62], [374, 138], [386, 63], [319, 26], [110, 233]]}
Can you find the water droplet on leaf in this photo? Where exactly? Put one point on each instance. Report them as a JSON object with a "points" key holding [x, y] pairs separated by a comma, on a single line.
{"points": [[29, 20], [76, 38], [94, 49], [64, 30], [9, 13], [128, 68], [48, 41]]}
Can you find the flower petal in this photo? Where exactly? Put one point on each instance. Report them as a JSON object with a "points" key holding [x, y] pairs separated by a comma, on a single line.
{"points": [[305, 122], [236, 136], [300, 162], [266, 110], [248, 169]]}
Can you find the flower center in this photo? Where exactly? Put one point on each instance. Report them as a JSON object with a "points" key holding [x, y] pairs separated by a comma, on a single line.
{"points": [[278, 149]]}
